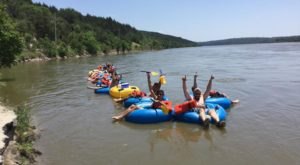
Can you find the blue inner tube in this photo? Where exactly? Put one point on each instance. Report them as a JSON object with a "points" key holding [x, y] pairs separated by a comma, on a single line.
{"points": [[104, 90], [147, 116], [134, 100], [193, 117], [222, 101]]}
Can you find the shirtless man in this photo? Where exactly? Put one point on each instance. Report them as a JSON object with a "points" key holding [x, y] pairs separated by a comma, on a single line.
{"points": [[199, 97]]}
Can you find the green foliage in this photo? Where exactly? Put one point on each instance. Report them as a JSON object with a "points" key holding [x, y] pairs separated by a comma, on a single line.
{"points": [[252, 40], [62, 50], [23, 123], [26, 151], [26, 55], [75, 41], [106, 49], [48, 47], [42, 26], [25, 135], [10, 40], [90, 43]]}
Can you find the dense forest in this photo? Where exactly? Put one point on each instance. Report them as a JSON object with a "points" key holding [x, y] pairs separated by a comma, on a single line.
{"points": [[48, 31], [251, 40]]}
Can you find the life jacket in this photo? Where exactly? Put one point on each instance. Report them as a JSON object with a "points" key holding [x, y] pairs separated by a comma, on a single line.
{"points": [[94, 74], [105, 81], [168, 104], [187, 105]]}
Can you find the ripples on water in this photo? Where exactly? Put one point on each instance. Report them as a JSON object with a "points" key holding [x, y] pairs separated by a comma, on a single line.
{"points": [[77, 128]]}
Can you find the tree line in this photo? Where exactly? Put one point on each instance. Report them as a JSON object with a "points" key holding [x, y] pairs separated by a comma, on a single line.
{"points": [[47, 31], [251, 40]]}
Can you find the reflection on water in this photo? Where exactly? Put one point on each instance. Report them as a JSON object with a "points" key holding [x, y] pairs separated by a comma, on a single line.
{"points": [[180, 137], [78, 129]]}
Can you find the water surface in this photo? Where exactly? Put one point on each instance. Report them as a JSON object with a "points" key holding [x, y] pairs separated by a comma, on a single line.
{"points": [[76, 126]]}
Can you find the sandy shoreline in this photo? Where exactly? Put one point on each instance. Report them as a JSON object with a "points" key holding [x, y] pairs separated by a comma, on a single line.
{"points": [[6, 116]]}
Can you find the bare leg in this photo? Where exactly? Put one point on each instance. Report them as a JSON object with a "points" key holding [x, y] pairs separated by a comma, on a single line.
{"points": [[202, 114], [119, 100], [203, 118], [214, 115], [124, 113]]}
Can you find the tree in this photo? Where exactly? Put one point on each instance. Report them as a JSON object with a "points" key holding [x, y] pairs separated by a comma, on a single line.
{"points": [[48, 47], [10, 41], [90, 43]]}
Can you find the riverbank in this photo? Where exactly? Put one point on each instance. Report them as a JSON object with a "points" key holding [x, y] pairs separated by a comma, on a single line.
{"points": [[7, 117], [39, 56], [17, 137]]}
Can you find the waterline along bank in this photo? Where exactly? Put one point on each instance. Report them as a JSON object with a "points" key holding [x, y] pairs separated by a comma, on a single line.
{"points": [[17, 136]]}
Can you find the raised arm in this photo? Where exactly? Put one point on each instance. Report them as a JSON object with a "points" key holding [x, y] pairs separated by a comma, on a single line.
{"points": [[115, 79], [153, 94], [208, 87], [195, 85], [149, 81], [185, 91]]}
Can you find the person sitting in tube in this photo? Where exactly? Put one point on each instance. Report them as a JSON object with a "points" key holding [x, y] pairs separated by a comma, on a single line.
{"points": [[199, 97], [158, 97], [155, 87], [115, 79]]}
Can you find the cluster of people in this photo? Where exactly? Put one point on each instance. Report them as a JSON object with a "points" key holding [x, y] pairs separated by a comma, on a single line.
{"points": [[158, 95], [204, 113], [104, 76]]}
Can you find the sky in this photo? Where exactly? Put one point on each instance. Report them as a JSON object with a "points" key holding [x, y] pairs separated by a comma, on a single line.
{"points": [[197, 20]]}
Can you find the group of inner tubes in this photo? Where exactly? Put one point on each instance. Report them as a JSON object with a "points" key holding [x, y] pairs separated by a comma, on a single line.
{"points": [[201, 108]]}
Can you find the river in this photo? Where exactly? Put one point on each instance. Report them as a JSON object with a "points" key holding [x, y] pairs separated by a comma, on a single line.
{"points": [[76, 127]]}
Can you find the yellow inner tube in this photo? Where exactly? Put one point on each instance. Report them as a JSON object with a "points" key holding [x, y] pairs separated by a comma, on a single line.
{"points": [[118, 92]]}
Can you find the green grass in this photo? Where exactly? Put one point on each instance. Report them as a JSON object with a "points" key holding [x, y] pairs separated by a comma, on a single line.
{"points": [[25, 136]]}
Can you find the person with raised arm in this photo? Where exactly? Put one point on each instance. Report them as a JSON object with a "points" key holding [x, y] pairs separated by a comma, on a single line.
{"points": [[158, 97], [155, 87], [200, 97]]}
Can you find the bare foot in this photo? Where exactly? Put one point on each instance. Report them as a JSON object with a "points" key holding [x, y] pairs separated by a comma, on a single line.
{"points": [[118, 100], [206, 123], [221, 124], [235, 101], [116, 118]]}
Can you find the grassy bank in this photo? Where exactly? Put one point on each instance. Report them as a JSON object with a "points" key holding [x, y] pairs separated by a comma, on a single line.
{"points": [[25, 137]]}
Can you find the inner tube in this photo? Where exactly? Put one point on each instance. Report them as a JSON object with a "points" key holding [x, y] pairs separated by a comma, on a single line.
{"points": [[193, 117], [104, 90], [147, 116], [119, 92], [134, 100], [222, 101]]}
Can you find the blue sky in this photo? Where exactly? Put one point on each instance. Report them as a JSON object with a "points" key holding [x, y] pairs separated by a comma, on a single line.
{"points": [[197, 20]]}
